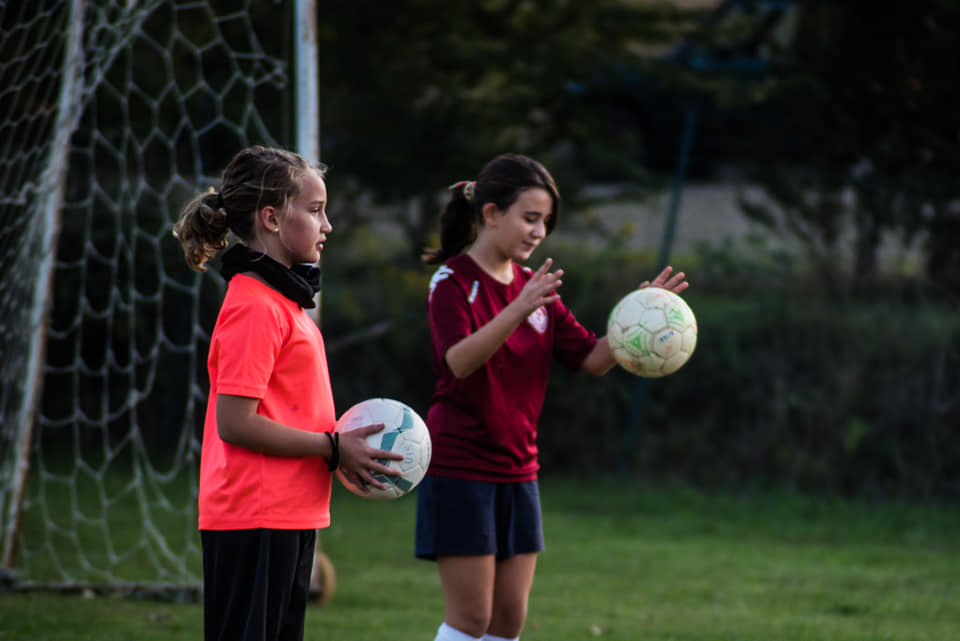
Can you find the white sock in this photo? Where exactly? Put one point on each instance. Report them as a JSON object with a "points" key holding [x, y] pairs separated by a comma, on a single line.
{"points": [[491, 637], [446, 633]]}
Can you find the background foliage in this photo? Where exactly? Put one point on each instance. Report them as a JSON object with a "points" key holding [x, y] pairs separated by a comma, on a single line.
{"points": [[786, 388], [819, 369], [869, 93], [816, 370]]}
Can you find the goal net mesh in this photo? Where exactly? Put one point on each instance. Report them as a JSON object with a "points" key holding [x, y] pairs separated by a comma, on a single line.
{"points": [[112, 115]]}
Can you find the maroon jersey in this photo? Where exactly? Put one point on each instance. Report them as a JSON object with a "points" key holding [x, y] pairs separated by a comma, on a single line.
{"points": [[484, 427]]}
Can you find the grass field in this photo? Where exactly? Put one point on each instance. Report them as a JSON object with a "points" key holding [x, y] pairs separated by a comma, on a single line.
{"points": [[623, 562]]}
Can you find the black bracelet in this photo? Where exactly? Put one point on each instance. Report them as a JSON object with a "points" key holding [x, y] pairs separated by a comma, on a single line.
{"points": [[334, 461]]}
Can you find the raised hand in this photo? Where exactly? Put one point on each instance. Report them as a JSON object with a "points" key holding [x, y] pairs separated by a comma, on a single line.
{"points": [[540, 289], [675, 283]]}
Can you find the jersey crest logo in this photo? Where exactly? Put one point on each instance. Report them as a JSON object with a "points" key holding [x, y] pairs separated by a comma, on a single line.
{"points": [[538, 319], [473, 291], [441, 274]]}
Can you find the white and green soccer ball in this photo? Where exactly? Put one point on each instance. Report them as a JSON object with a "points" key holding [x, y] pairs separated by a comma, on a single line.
{"points": [[652, 332], [404, 432]]}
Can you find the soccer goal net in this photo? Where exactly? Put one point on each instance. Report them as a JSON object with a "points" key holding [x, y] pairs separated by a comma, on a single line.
{"points": [[113, 113]]}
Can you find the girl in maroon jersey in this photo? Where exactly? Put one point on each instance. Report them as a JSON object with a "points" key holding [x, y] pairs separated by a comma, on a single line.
{"points": [[496, 326]]}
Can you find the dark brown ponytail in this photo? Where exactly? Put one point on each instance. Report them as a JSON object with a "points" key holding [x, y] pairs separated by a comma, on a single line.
{"points": [[459, 222]]}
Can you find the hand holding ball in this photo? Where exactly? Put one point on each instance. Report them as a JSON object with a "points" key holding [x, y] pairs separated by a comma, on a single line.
{"points": [[404, 432]]}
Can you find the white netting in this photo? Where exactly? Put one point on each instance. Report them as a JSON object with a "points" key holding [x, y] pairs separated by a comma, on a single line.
{"points": [[143, 111]]}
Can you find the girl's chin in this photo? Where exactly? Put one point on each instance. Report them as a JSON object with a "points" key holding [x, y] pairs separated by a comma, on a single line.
{"points": [[523, 256]]}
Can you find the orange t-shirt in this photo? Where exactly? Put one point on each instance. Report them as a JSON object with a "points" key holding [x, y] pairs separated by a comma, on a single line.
{"points": [[265, 346]]}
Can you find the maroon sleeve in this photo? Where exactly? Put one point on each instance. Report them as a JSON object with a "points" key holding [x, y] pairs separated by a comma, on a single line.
{"points": [[572, 341], [448, 311]]}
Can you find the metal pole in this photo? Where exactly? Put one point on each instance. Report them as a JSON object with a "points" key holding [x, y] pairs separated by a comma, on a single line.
{"points": [[306, 88], [46, 228], [689, 122], [307, 94], [305, 83], [640, 387]]}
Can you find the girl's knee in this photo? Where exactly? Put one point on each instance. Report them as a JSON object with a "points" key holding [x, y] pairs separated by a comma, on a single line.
{"points": [[508, 619], [471, 619]]}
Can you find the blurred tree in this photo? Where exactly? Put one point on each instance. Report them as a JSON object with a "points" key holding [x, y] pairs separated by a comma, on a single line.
{"points": [[871, 94], [426, 91]]}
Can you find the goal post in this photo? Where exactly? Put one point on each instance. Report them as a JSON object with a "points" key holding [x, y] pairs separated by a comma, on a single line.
{"points": [[115, 112], [38, 247], [306, 88]]}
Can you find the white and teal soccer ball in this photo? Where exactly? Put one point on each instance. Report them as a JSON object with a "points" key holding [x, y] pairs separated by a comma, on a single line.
{"points": [[652, 332], [404, 432]]}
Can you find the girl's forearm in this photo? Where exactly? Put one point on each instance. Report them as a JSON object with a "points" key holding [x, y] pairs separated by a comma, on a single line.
{"points": [[472, 351]]}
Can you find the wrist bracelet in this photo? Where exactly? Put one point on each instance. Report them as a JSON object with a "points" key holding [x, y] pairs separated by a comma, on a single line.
{"points": [[333, 462]]}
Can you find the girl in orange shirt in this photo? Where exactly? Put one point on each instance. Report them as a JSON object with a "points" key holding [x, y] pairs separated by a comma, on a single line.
{"points": [[269, 449]]}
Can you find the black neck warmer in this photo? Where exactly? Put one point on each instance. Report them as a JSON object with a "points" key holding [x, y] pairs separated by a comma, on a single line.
{"points": [[300, 283]]}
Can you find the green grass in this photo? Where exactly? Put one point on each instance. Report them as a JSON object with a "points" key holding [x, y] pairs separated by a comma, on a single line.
{"points": [[623, 562]]}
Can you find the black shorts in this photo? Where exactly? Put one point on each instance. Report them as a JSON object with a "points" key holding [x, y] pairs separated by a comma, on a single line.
{"points": [[460, 517], [256, 583]]}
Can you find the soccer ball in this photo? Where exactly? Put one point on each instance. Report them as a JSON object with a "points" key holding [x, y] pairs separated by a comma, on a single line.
{"points": [[652, 332], [404, 432]]}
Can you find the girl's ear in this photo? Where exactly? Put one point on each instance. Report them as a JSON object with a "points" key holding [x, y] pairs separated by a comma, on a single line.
{"points": [[491, 213], [268, 217]]}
